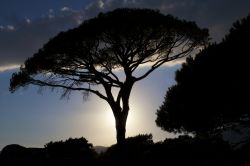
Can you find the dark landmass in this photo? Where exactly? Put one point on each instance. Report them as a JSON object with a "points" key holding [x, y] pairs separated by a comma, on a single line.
{"points": [[140, 149]]}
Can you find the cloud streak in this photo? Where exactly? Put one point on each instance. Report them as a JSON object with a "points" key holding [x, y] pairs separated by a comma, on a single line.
{"points": [[22, 39], [8, 67]]}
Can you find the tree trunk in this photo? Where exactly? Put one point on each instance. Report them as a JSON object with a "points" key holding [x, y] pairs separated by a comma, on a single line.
{"points": [[121, 128], [121, 112], [120, 116]]}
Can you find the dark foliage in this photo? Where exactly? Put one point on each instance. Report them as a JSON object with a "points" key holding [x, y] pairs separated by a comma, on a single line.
{"points": [[197, 151], [185, 150], [72, 151], [138, 150], [213, 89], [14, 155], [242, 154], [65, 153], [132, 151]]}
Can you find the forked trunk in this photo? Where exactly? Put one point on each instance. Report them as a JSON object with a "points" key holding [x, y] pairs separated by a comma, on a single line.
{"points": [[121, 113], [120, 116]]}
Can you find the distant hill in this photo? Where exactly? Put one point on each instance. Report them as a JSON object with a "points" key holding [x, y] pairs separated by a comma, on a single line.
{"points": [[100, 149]]}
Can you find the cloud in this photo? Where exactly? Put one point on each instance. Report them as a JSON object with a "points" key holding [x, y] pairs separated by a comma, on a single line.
{"points": [[7, 28], [28, 21], [65, 9], [8, 67], [23, 39], [100, 4]]}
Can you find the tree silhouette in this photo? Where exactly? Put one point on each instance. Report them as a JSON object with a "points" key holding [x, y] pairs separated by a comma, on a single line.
{"points": [[212, 90], [91, 55]]}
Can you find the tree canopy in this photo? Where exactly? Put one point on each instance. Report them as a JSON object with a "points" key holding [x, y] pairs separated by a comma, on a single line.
{"points": [[92, 53], [213, 89]]}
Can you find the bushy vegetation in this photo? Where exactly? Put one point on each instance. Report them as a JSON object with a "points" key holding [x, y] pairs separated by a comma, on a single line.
{"points": [[72, 151], [133, 150], [138, 150], [75, 151]]}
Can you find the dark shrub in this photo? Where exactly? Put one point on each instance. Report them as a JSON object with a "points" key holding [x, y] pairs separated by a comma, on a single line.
{"points": [[72, 151]]}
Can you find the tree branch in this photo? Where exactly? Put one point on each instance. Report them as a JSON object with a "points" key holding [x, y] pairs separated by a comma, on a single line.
{"points": [[43, 83], [162, 61]]}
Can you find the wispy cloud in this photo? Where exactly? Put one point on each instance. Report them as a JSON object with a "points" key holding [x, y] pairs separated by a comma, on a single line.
{"points": [[8, 67]]}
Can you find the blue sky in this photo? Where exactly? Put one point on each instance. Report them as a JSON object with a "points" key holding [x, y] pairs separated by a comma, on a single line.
{"points": [[32, 119]]}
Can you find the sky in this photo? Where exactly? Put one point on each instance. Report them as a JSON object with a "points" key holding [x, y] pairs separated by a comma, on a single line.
{"points": [[32, 118]]}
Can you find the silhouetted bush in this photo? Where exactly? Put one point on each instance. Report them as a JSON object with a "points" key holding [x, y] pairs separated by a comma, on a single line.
{"points": [[72, 151], [138, 150], [186, 150], [132, 151]]}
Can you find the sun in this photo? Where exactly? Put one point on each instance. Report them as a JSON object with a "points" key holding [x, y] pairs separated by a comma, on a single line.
{"points": [[132, 121], [104, 121]]}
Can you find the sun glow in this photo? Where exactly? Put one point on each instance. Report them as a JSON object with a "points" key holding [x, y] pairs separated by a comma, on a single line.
{"points": [[97, 121], [108, 118]]}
